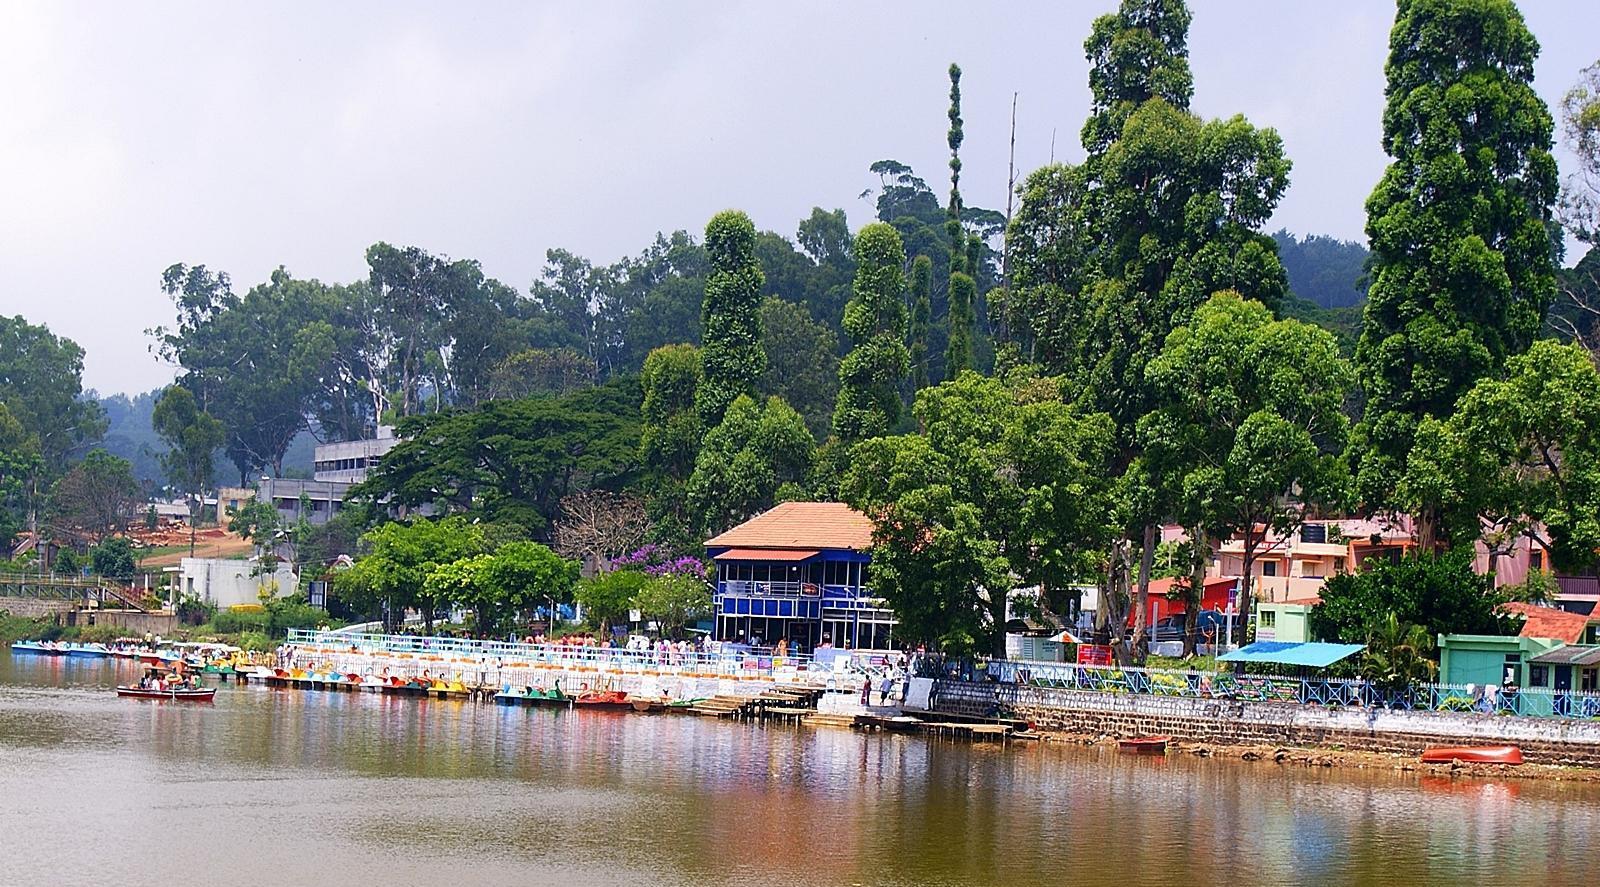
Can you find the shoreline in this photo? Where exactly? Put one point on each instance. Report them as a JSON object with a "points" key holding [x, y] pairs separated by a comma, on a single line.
{"points": [[1335, 756]]}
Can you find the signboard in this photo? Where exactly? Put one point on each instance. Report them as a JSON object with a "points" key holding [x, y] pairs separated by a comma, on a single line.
{"points": [[1094, 654], [810, 589]]}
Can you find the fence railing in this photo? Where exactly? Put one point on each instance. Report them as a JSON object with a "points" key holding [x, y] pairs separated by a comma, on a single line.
{"points": [[1341, 692], [723, 659]]}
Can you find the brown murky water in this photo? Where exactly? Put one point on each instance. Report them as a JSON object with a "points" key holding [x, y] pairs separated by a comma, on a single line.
{"points": [[287, 788]]}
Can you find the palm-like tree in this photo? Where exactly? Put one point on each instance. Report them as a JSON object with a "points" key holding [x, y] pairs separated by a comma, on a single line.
{"points": [[1398, 656]]}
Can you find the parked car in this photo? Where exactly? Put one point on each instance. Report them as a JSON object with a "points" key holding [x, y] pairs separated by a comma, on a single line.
{"points": [[1209, 624]]}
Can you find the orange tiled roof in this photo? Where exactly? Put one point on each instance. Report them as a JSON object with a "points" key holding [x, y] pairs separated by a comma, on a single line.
{"points": [[801, 525], [1549, 622]]}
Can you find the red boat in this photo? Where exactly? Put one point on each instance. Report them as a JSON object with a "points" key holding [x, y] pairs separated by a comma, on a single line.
{"points": [[1145, 745], [608, 700], [1482, 754], [203, 694]]}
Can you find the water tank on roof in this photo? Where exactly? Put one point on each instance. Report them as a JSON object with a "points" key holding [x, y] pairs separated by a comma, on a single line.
{"points": [[1314, 533]]}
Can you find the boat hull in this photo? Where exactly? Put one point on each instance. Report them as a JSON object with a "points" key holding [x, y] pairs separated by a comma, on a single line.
{"points": [[1484, 754], [202, 695], [1145, 745]]}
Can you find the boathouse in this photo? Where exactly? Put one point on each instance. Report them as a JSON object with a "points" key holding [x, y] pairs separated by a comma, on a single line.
{"points": [[799, 573]]}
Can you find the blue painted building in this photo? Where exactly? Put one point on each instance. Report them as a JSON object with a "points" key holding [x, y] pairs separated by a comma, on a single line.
{"points": [[800, 573]]}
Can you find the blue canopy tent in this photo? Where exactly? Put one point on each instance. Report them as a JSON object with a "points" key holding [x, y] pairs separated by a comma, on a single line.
{"points": [[1307, 655]]}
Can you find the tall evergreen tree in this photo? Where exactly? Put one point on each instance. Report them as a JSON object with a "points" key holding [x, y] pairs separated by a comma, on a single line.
{"points": [[921, 316], [875, 319], [963, 289], [1110, 256], [730, 356], [1463, 265]]}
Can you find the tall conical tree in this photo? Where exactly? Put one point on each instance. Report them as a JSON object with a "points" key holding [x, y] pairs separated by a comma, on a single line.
{"points": [[731, 357], [1463, 267], [963, 290], [875, 320], [921, 317]]}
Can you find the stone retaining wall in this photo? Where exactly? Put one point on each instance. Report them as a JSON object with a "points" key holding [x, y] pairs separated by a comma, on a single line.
{"points": [[1222, 721], [34, 608]]}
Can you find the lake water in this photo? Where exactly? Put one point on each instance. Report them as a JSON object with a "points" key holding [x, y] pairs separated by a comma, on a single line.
{"points": [[283, 787]]}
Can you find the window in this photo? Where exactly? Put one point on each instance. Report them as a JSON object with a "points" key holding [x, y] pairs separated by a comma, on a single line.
{"points": [[1513, 664], [1589, 681], [1269, 618], [1338, 565], [1269, 568], [1536, 560], [1538, 675]]}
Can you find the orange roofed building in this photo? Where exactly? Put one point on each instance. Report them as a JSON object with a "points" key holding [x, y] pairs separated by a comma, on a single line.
{"points": [[799, 573]]}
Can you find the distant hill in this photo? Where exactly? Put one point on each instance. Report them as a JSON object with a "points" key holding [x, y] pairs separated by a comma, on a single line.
{"points": [[1324, 270]]}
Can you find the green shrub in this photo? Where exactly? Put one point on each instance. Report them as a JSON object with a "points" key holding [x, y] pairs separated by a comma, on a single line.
{"points": [[255, 641], [236, 621]]}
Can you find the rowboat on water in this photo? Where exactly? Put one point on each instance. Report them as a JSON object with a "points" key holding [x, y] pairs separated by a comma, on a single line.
{"points": [[204, 694], [1482, 754], [1145, 745], [647, 705]]}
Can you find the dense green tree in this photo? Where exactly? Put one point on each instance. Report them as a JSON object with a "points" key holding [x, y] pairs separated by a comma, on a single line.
{"points": [[756, 457], [1249, 437], [1441, 593], [41, 386], [512, 461], [113, 559], [1580, 125], [96, 497], [1463, 267], [1398, 655], [731, 357], [558, 371], [921, 317], [497, 585], [606, 598], [802, 362], [672, 600], [192, 437], [400, 557], [1115, 253], [1007, 487], [670, 441], [872, 373], [20, 469], [1519, 458]]}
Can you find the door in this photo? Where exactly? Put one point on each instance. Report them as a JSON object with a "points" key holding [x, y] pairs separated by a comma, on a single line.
{"points": [[1563, 677]]}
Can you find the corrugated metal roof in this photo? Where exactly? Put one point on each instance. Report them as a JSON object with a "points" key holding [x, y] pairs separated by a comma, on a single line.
{"points": [[1311, 654], [1569, 654], [819, 525]]}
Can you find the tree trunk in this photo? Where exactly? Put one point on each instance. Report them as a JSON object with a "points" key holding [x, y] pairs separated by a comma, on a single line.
{"points": [[997, 613], [1141, 626], [1113, 603], [1194, 595]]}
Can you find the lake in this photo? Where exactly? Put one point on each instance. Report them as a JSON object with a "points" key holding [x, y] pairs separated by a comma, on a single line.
{"points": [[284, 787]]}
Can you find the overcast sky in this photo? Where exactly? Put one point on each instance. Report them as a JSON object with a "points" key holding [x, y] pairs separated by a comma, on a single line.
{"points": [[135, 135]]}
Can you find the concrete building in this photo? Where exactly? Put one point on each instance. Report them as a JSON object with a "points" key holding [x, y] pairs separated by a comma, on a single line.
{"points": [[799, 573], [338, 467], [227, 583]]}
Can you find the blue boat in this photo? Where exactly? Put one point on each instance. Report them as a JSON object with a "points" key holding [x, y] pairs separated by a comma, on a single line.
{"points": [[37, 648], [97, 651]]}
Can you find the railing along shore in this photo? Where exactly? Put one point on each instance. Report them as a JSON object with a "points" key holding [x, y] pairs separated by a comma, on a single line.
{"points": [[1016, 678], [418, 653]]}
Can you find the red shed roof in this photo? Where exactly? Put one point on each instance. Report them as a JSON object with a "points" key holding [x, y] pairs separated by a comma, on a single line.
{"points": [[1549, 622], [801, 525]]}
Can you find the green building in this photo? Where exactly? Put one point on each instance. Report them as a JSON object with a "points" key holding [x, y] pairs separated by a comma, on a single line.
{"points": [[1487, 659], [1283, 621]]}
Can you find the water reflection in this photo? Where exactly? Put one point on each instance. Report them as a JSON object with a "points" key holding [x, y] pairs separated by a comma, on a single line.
{"points": [[274, 786]]}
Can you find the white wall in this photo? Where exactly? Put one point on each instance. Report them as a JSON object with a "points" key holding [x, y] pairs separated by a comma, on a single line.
{"points": [[228, 583]]}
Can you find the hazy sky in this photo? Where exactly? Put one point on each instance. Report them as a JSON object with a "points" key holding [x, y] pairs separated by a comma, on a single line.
{"points": [[135, 135]]}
